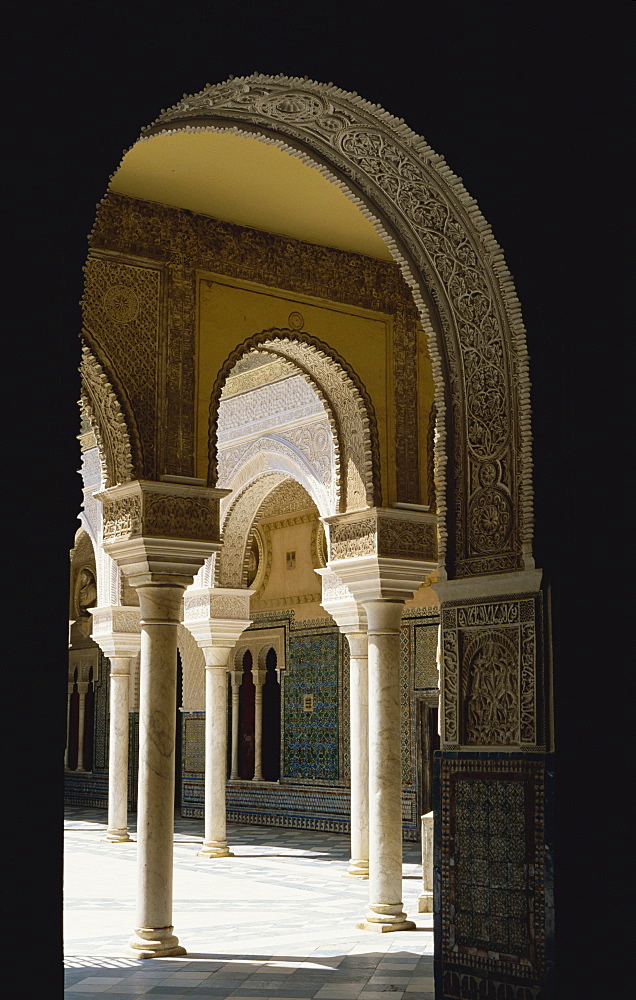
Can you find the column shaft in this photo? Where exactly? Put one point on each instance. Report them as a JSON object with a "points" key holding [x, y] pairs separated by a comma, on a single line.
{"points": [[118, 750], [155, 807], [359, 754], [82, 688], [236, 684], [68, 725], [385, 911], [258, 728], [215, 831]]}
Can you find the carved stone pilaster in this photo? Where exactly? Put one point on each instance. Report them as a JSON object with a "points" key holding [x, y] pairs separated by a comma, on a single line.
{"points": [[492, 676], [161, 531], [382, 553]]}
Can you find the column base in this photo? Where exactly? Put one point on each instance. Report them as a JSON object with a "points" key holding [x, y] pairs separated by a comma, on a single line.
{"points": [[385, 917], [117, 837], [425, 903], [358, 868], [154, 942], [380, 928], [215, 849]]}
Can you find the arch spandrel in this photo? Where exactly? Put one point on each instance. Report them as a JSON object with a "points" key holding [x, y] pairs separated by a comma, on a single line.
{"points": [[449, 258]]}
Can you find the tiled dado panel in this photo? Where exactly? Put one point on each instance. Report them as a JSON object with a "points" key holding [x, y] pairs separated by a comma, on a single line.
{"points": [[310, 738], [81, 788], [311, 806], [494, 904]]}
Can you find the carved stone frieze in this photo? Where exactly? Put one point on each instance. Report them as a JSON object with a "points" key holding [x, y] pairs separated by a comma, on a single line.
{"points": [[203, 605], [161, 510], [492, 678], [383, 532]]}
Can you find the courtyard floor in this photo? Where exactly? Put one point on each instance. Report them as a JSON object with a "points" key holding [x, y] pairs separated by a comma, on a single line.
{"points": [[278, 920]]}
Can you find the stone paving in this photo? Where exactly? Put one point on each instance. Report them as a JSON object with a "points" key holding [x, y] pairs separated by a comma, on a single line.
{"points": [[275, 921]]}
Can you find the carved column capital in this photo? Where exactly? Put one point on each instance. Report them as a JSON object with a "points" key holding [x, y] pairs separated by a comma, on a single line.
{"points": [[217, 617], [161, 532], [382, 553], [117, 630]]}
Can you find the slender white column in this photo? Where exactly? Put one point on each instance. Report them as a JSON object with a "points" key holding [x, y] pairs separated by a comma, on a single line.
{"points": [[215, 832], [117, 831], [68, 724], [82, 688], [258, 677], [160, 607], [359, 753], [236, 676], [385, 911]]}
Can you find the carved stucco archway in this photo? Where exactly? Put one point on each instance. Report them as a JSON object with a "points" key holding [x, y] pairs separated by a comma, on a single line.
{"points": [[346, 402], [461, 285], [240, 525]]}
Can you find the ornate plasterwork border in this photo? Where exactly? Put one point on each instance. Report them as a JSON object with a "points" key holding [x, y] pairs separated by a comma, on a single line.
{"points": [[448, 256], [110, 425]]}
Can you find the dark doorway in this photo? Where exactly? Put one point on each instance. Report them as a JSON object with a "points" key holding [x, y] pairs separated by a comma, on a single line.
{"points": [[271, 720], [246, 721], [429, 743]]}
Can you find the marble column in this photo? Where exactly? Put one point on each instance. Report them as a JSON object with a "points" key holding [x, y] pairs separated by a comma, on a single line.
{"points": [[82, 688], [68, 723], [216, 617], [160, 534], [358, 753], [350, 617], [215, 843], [385, 912], [118, 750], [383, 555], [160, 610], [258, 677], [116, 630], [236, 678]]}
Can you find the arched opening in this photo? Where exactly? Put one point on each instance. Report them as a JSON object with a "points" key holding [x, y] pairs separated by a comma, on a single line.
{"points": [[271, 719], [417, 302], [246, 720]]}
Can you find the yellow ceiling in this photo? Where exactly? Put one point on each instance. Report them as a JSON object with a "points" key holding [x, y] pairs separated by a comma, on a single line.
{"points": [[241, 180]]}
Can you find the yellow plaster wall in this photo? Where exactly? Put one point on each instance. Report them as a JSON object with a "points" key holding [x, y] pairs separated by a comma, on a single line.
{"points": [[230, 311]]}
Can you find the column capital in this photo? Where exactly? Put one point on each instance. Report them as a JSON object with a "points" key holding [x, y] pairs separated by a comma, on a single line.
{"points": [[382, 553], [161, 532], [216, 616], [338, 601], [117, 630]]}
